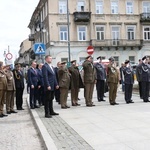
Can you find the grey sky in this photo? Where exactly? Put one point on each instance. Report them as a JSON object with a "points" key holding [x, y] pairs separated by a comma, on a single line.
{"points": [[15, 16]]}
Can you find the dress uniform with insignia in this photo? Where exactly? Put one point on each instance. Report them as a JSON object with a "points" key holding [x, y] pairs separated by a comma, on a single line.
{"points": [[89, 80], [128, 80], [101, 76], [112, 80]]}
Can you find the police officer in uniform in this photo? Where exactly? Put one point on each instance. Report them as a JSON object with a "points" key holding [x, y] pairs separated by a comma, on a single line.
{"points": [[145, 78], [112, 80], [128, 80], [101, 76], [89, 80]]}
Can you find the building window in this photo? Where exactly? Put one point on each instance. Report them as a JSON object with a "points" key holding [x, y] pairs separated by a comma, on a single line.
{"points": [[114, 7], [62, 7], [130, 33], [115, 35], [63, 33], [99, 7], [116, 60], [132, 59], [129, 7], [100, 32], [147, 33], [80, 5], [81, 33]]}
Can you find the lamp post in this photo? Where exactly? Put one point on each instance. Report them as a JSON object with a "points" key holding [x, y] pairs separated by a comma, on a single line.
{"points": [[40, 28], [68, 33]]}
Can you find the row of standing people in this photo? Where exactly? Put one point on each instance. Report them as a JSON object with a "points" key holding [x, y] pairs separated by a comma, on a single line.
{"points": [[11, 84]]}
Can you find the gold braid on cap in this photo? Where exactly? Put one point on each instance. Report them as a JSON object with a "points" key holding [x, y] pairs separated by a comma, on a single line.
{"points": [[16, 75]]}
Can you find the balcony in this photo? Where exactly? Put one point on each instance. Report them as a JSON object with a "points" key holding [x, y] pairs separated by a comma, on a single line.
{"points": [[82, 16], [145, 17], [31, 37], [116, 43]]}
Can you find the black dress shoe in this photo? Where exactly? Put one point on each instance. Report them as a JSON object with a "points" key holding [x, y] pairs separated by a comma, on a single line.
{"points": [[116, 103], [31, 107], [102, 100], [8, 112], [127, 102], [18, 108], [1, 116], [89, 105], [13, 111], [22, 108], [112, 103], [4, 115], [74, 105], [145, 101], [48, 116], [54, 114], [36, 106], [131, 102], [63, 107]]}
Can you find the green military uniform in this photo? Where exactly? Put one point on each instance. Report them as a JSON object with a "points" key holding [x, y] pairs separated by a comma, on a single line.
{"points": [[75, 76], [64, 84], [10, 92], [3, 88], [89, 81], [112, 80]]}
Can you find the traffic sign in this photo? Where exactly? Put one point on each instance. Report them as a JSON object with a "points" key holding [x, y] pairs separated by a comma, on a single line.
{"points": [[9, 56], [90, 50], [39, 48]]}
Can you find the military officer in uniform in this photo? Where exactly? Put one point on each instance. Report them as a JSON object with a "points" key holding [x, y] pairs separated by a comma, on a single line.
{"points": [[112, 80], [10, 90], [75, 76], [3, 89], [128, 80], [89, 80], [145, 78], [64, 84], [101, 77]]}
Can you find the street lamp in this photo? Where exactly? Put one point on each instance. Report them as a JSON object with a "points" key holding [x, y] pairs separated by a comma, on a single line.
{"points": [[68, 33], [40, 28]]}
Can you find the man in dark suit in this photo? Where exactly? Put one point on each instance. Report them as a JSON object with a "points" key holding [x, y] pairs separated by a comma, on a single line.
{"points": [[57, 91], [19, 83], [101, 77], [33, 82], [145, 78], [128, 80], [50, 84], [41, 89]]}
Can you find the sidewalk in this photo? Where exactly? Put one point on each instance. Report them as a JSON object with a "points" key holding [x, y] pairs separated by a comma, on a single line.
{"points": [[103, 127], [17, 131]]}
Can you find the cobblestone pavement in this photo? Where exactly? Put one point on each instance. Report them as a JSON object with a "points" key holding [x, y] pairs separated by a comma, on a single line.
{"points": [[63, 135], [17, 132]]}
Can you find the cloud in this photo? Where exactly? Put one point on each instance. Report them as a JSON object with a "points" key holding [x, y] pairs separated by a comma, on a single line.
{"points": [[15, 16]]}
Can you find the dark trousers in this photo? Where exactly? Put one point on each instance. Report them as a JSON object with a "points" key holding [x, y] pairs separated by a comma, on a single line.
{"points": [[41, 95], [100, 85], [128, 92], [19, 97], [33, 96], [145, 90], [57, 95], [140, 89], [48, 106]]}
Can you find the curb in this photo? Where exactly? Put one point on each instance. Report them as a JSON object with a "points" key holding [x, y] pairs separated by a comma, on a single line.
{"points": [[46, 138]]}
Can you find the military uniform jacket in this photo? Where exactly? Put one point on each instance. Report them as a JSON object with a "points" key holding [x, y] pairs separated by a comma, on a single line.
{"points": [[101, 72], [3, 80], [74, 77], [112, 74], [10, 81], [89, 72], [64, 77], [19, 79], [145, 72], [128, 75]]}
